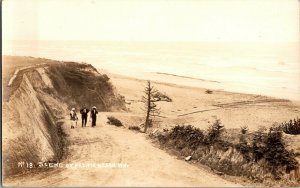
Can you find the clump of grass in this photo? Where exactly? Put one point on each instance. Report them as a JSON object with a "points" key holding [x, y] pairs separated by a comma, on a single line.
{"points": [[214, 131], [134, 128], [243, 141], [244, 129], [162, 97], [114, 121], [183, 136], [291, 127], [208, 91]]}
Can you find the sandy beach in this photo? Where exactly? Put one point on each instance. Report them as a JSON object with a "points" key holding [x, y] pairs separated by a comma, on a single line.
{"points": [[193, 106]]}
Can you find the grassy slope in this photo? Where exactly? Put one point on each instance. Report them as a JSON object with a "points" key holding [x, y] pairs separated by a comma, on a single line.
{"points": [[81, 85], [10, 64], [72, 83]]}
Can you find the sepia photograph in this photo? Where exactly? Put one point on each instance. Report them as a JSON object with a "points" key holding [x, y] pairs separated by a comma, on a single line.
{"points": [[150, 93]]}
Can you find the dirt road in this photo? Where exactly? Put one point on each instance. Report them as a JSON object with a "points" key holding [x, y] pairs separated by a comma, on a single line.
{"points": [[143, 164]]}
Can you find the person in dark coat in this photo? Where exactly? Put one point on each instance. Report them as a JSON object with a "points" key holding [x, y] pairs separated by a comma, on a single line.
{"points": [[84, 113], [94, 113]]}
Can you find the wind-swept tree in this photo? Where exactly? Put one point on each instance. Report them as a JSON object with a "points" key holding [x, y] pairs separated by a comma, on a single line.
{"points": [[149, 100]]}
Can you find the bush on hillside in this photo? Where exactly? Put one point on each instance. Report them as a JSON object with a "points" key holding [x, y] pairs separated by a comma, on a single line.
{"points": [[84, 88], [183, 136], [276, 153], [291, 127], [214, 131], [244, 129], [162, 97], [208, 91], [114, 121], [264, 147], [271, 147], [134, 128]]}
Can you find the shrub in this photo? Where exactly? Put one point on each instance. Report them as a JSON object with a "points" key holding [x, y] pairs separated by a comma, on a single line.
{"points": [[214, 131], [275, 127], [114, 121], [244, 129], [276, 153], [291, 127], [208, 91], [183, 136], [258, 144], [134, 128], [271, 147], [245, 150], [162, 97]]}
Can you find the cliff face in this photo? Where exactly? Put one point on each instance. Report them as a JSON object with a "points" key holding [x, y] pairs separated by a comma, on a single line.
{"points": [[29, 130], [82, 85], [33, 115]]}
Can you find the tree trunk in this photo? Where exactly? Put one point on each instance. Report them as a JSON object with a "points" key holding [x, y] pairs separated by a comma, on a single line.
{"points": [[147, 122], [148, 107]]}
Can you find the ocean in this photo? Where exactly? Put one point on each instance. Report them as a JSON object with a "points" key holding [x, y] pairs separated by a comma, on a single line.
{"points": [[271, 69]]}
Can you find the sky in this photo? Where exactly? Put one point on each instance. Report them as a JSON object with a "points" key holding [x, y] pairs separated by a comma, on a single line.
{"points": [[152, 20]]}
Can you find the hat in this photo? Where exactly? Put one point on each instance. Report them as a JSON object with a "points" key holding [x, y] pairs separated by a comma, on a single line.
{"points": [[73, 109], [94, 107]]}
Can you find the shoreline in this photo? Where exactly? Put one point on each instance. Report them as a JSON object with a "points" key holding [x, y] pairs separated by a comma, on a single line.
{"points": [[191, 105], [187, 86], [255, 85]]}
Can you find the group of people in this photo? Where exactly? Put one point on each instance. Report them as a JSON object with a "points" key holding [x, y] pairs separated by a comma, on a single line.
{"points": [[84, 115]]}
